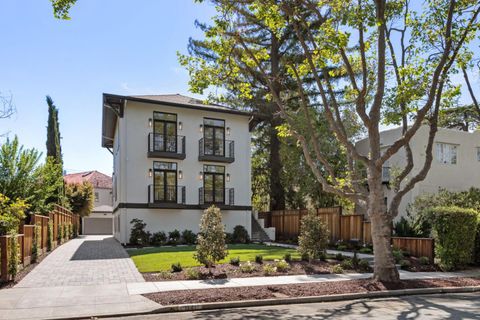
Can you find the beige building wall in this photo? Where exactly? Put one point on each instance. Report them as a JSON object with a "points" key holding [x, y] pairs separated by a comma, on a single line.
{"points": [[455, 177]]}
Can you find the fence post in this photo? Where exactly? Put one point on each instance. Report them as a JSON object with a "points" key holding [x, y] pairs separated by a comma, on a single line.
{"points": [[4, 258]]}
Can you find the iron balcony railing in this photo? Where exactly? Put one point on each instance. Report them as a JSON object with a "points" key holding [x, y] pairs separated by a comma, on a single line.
{"points": [[222, 196], [216, 150], [166, 194], [166, 145]]}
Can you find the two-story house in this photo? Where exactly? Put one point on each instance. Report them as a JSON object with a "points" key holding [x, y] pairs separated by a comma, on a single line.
{"points": [[455, 166], [174, 156], [100, 220]]}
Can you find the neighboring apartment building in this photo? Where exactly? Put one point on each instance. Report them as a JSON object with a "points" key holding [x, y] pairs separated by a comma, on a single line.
{"points": [[100, 220], [174, 156], [455, 166]]}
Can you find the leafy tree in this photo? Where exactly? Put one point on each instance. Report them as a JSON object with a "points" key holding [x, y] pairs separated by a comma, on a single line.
{"points": [[54, 148], [61, 8], [12, 212], [465, 118], [48, 187], [211, 238], [398, 61], [80, 198]]}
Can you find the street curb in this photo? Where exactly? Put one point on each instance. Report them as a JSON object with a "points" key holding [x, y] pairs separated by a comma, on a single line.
{"points": [[295, 300]]}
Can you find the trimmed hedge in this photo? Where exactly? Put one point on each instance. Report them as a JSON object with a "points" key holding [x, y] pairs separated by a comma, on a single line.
{"points": [[454, 230]]}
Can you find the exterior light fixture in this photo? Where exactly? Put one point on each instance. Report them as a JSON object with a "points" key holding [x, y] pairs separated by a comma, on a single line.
{"points": [[150, 172], [150, 122], [180, 125], [180, 174], [228, 131], [201, 128], [228, 177], [200, 175]]}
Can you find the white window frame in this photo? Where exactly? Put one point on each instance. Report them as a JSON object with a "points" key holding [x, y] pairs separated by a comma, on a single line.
{"points": [[478, 154], [446, 153]]}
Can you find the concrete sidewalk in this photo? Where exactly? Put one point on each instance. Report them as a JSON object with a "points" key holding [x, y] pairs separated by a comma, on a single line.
{"points": [[163, 286]]}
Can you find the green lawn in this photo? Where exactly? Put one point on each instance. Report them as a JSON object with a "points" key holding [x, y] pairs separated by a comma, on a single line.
{"points": [[161, 258]]}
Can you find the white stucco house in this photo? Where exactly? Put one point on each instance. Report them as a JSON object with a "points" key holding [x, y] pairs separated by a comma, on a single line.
{"points": [[100, 220], [455, 166], [174, 156]]}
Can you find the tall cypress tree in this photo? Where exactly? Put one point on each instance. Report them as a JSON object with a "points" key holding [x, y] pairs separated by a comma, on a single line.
{"points": [[54, 149]]}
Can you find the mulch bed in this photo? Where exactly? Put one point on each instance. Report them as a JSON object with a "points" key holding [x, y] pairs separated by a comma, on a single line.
{"points": [[415, 266], [300, 290], [224, 271], [22, 273]]}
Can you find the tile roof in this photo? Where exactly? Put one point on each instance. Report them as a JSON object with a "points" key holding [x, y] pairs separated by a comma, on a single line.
{"points": [[97, 179]]}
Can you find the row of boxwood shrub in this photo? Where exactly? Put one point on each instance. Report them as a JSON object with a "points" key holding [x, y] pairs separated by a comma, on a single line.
{"points": [[139, 236]]}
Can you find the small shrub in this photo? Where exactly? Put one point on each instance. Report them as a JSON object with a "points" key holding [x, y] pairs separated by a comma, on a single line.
{"points": [[60, 233], [138, 235], [247, 267], [188, 237], [313, 239], [177, 267], [366, 250], [240, 235], [174, 237], [282, 266], [235, 261], [75, 230], [259, 259], [50, 236], [404, 228], [158, 238], [287, 257], [424, 261], [398, 255], [337, 269], [269, 269], [339, 257], [65, 232], [13, 255], [454, 230], [211, 239], [305, 257], [405, 264], [364, 265], [347, 264], [228, 237], [192, 274], [164, 274], [342, 247]]}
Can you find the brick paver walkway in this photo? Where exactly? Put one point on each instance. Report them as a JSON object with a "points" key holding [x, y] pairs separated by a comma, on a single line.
{"points": [[88, 260]]}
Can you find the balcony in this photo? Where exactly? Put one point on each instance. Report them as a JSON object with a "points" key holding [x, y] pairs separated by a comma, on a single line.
{"points": [[160, 196], [209, 150], [165, 146], [220, 197]]}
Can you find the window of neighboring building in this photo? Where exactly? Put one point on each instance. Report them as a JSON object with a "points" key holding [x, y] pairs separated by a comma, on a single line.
{"points": [[165, 181], [446, 153], [478, 153], [96, 197], [214, 184], [214, 137]]}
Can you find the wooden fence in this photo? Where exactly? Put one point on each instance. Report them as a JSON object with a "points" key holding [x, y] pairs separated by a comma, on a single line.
{"points": [[59, 216], [342, 228]]}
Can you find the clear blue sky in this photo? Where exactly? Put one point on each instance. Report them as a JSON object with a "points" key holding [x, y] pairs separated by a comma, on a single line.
{"points": [[115, 46]]}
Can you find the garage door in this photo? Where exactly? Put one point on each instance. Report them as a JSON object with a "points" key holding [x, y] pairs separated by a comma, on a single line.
{"points": [[97, 226]]}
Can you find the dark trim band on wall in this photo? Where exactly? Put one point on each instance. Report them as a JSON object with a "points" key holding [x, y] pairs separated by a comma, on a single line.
{"points": [[129, 205]]}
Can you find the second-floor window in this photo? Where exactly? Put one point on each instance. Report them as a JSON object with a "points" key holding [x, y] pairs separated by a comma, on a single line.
{"points": [[165, 132], [214, 137], [446, 153], [165, 181], [214, 184]]}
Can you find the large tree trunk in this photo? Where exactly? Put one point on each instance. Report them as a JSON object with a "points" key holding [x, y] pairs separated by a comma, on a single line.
{"points": [[384, 269], [277, 193]]}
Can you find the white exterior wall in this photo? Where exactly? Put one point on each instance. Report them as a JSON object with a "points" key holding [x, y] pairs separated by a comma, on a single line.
{"points": [[131, 169], [104, 197], [455, 177]]}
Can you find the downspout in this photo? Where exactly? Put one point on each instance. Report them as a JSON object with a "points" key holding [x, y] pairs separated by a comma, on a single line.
{"points": [[125, 176]]}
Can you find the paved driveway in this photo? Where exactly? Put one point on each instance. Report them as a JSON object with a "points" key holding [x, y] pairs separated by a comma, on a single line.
{"points": [[85, 261]]}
